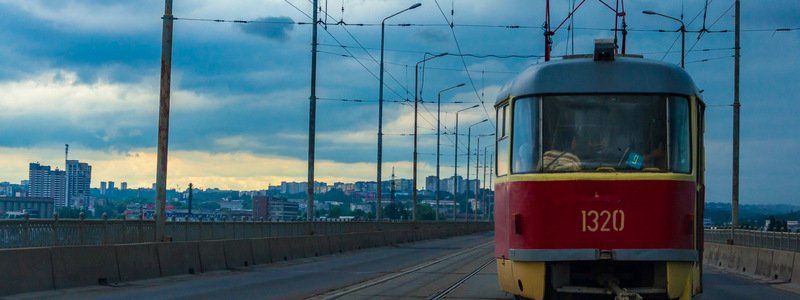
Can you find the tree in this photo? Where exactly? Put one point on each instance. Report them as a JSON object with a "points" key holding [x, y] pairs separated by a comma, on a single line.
{"points": [[395, 212], [335, 212], [426, 212], [68, 213]]}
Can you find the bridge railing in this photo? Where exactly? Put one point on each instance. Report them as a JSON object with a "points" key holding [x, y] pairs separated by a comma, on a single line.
{"points": [[787, 241], [69, 232]]}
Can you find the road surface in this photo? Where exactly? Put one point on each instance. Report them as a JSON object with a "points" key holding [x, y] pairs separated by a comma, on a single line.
{"points": [[454, 268]]}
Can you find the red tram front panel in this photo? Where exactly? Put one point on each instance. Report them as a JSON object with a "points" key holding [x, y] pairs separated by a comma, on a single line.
{"points": [[594, 214]]}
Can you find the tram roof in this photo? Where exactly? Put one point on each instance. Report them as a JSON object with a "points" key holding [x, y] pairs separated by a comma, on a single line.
{"points": [[584, 75]]}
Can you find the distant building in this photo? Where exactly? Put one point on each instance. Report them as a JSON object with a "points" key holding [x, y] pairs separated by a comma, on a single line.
{"points": [[275, 208], [293, 187], [123, 186], [449, 184], [47, 183], [79, 179], [430, 183], [35, 207], [111, 186], [103, 187]]}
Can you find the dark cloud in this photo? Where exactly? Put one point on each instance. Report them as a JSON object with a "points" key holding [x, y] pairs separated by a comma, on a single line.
{"points": [[272, 28], [433, 36]]}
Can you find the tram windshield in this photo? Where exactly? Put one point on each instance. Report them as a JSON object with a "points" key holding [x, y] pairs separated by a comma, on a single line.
{"points": [[601, 133]]}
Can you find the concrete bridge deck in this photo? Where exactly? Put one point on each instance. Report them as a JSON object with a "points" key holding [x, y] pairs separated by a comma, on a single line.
{"points": [[454, 268]]}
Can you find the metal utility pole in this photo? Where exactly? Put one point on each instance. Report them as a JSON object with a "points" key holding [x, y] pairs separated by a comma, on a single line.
{"points": [[466, 191], [455, 164], [191, 188], [312, 116], [477, 187], [380, 113], [66, 172], [163, 121], [416, 127], [438, 142], [392, 186], [380, 116], [736, 106], [483, 191]]}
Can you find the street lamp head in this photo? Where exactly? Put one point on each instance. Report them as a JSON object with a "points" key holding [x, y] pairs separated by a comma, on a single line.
{"points": [[442, 54], [648, 12], [460, 85], [415, 6], [474, 106]]}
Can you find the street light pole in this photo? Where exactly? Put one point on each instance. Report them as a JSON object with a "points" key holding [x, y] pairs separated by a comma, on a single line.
{"points": [[380, 115], [416, 108], [477, 190], [455, 165], [466, 191], [682, 31], [438, 142]]}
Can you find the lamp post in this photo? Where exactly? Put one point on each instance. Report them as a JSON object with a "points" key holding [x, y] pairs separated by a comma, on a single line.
{"points": [[466, 192], [455, 164], [483, 191], [416, 108], [477, 164], [380, 113], [682, 31], [438, 141]]}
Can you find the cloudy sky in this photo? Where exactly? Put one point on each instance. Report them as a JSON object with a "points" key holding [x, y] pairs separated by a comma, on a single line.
{"points": [[86, 73]]}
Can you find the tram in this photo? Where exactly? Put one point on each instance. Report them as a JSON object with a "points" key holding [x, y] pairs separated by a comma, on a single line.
{"points": [[599, 182]]}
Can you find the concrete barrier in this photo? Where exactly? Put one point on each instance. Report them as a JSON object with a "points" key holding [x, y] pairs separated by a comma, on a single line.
{"points": [[335, 242], [764, 262], [212, 255], [75, 266], [728, 257], [25, 270], [238, 253], [782, 263], [178, 258], [36, 269], [280, 248], [137, 261], [323, 244], [261, 251], [796, 269], [747, 259]]}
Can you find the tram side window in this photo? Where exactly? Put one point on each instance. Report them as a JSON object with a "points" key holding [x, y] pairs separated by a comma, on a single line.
{"points": [[679, 133], [525, 149], [502, 140]]}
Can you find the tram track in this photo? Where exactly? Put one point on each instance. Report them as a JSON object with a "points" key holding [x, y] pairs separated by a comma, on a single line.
{"points": [[353, 289], [443, 293]]}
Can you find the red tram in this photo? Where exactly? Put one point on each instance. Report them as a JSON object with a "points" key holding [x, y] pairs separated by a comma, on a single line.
{"points": [[599, 185]]}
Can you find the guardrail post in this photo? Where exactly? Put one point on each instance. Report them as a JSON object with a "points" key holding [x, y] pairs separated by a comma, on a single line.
{"points": [[139, 228], [26, 231], [105, 229], [54, 229], [81, 217], [261, 228]]}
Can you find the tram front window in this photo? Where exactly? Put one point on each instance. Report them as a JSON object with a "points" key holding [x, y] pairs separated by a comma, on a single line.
{"points": [[601, 133]]}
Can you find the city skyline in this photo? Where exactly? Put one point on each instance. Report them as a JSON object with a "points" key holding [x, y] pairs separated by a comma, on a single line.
{"points": [[240, 119]]}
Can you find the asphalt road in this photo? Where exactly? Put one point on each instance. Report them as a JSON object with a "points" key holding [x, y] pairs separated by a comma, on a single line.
{"points": [[454, 268]]}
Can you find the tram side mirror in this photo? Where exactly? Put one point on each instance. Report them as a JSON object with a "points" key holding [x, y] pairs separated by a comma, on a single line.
{"points": [[635, 161], [604, 49]]}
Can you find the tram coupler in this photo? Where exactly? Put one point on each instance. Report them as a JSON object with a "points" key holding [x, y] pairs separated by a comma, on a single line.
{"points": [[612, 283]]}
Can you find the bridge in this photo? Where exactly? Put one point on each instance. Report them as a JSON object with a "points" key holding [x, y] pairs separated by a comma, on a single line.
{"points": [[105, 259]]}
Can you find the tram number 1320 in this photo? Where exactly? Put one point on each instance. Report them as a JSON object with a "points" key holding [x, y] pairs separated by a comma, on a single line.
{"points": [[603, 220]]}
